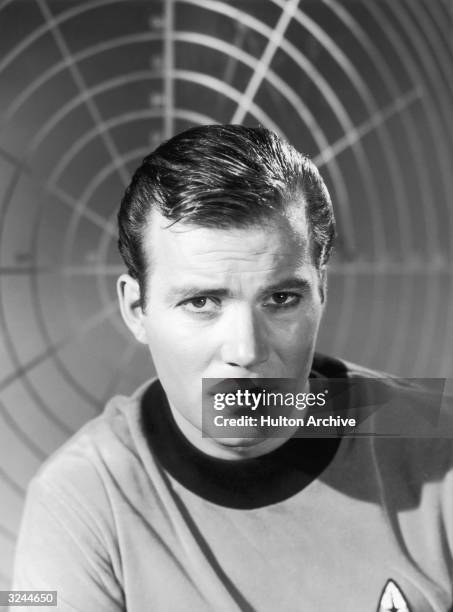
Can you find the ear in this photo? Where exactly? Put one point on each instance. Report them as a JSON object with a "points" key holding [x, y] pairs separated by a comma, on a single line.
{"points": [[129, 298], [323, 284]]}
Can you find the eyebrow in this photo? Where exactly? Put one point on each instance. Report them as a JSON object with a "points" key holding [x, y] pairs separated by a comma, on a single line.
{"points": [[194, 291], [292, 282]]}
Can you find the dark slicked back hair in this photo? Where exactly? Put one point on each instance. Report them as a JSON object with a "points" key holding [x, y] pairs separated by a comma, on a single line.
{"points": [[222, 176]]}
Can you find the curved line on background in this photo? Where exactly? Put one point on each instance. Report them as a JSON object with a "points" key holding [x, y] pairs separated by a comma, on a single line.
{"points": [[194, 77], [19, 367], [91, 92], [78, 57], [45, 29], [404, 304], [12, 484], [26, 440], [413, 68], [430, 63]]}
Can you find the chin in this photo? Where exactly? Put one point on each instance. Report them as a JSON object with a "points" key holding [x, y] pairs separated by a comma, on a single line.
{"points": [[238, 443]]}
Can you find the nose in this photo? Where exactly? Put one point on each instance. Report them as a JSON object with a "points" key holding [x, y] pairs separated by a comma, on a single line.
{"points": [[244, 339]]}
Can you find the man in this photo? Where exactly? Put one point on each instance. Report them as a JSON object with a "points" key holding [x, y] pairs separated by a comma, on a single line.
{"points": [[226, 232]]}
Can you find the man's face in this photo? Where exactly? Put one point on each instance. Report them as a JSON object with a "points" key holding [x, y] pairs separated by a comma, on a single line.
{"points": [[236, 303]]}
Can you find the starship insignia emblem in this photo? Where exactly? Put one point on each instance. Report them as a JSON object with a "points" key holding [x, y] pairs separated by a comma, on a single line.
{"points": [[392, 599]]}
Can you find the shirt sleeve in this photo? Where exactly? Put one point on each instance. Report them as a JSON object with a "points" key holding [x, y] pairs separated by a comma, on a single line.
{"points": [[61, 547]]}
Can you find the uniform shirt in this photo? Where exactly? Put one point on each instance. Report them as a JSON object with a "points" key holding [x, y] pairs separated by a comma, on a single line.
{"points": [[127, 515]]}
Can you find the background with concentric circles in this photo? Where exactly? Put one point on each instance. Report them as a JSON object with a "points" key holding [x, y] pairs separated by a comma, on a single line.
{"points": [[87, 88]]}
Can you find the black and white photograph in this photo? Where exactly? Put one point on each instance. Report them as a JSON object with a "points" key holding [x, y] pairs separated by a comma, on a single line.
{"points": [[226, 305]]}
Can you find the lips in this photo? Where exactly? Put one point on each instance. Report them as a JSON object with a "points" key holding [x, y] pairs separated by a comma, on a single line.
{"points": [[232, 385]]}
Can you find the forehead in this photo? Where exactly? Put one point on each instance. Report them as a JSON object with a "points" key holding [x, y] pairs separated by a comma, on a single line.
{"points": [[275, 243]]}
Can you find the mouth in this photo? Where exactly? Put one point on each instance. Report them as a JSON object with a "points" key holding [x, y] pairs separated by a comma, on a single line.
{"points": [[242, 396], [232, 385]]}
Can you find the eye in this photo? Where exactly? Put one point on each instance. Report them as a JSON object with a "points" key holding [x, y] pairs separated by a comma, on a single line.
{"points": [[200, 304], [283, 299]]}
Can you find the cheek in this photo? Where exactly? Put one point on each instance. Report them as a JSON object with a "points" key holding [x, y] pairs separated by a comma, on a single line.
{"points": [[301, 328], [294, 341], [176, 349]]}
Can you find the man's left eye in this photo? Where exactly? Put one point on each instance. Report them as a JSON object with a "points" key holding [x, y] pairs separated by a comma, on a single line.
{"points": [[283, 299], [200, 304]]}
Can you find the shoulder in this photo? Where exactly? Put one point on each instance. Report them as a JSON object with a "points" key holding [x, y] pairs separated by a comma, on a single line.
{"points": [[428, 401], [73, 502], [95, 440], [333, 367], [104, 451], [406, 422]]}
